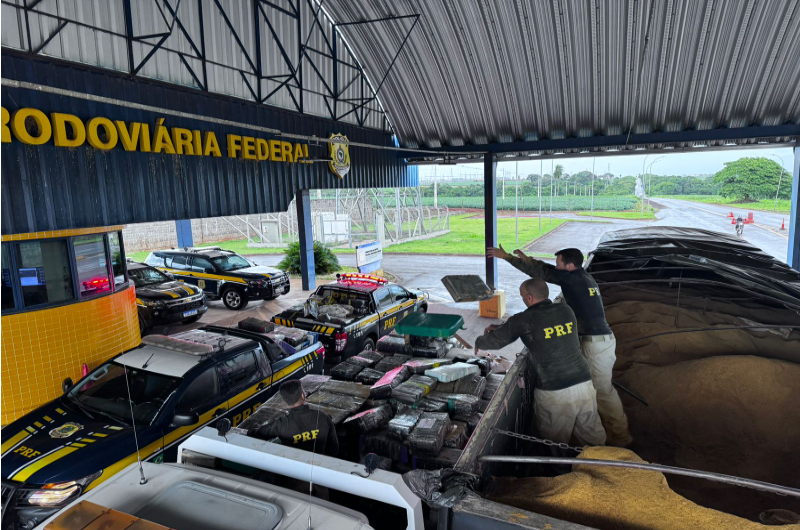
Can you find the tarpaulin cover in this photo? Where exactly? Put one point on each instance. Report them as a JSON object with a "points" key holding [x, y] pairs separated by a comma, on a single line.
{"points": [[702, 256]]}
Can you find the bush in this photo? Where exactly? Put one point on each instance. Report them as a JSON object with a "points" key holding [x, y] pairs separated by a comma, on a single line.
{"points": [[325, 261]]}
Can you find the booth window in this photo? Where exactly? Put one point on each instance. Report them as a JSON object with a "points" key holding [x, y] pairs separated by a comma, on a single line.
{"points": [[117, 258], [92, 267], [44, 272], [7, 296]]}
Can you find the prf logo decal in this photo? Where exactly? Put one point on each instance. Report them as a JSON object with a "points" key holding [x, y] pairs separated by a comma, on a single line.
{"points": [[340, 155], [201, 284], [594, 291], [66, 430], [559, 330]]}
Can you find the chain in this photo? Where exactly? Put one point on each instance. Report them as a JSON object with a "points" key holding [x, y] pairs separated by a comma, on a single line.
{"points": [[544, 441]]}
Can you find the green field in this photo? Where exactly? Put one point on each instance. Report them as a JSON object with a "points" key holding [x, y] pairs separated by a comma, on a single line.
{"points": [[560, 204], [763, 205], [467, 236], [622, 215]]}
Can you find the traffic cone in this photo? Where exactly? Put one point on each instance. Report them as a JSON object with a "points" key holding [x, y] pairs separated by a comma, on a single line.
{"points": [[730, 214], [783, 224]]}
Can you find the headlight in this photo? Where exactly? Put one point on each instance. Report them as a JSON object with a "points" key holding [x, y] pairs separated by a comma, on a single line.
{"points": [[153, 303], [60, 493], [256, 283]]}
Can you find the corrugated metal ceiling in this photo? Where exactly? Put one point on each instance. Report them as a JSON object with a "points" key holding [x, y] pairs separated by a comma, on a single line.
{"points": [[483, 71]]}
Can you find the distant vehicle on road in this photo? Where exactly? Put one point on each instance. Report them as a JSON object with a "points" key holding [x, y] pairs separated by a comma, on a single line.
{"points": [[162, 300], [222, 274]]}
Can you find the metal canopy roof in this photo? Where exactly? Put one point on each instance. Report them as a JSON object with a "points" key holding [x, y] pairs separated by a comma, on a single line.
{"points": [[617, 71]]}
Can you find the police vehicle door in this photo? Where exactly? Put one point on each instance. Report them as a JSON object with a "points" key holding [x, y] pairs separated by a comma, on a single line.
{"points": [[203, 397], [404, 301], [242, 377], [199, 269], [386, 310]]}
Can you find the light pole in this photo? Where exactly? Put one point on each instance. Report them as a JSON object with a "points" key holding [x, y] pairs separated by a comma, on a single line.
{"points": [[642, 180], [775, 207], [516, 200], [650, 180]]}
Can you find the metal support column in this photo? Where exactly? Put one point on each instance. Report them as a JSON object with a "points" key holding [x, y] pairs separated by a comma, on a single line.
{"points": [[793, 257], [306, 237], [490, 214], [184, 229]]}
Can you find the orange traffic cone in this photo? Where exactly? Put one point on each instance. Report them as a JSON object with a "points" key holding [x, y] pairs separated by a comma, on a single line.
{"points": [[783, 224], [730, 214]]}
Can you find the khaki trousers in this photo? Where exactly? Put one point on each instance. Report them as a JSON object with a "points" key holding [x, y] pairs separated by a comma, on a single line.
{"points": [[572, 410], [601, 357]]}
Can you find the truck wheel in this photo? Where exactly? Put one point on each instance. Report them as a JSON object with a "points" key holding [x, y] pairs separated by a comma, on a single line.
{"points": [[234, 299], [142, 327], [369, 344], [423, 308]]}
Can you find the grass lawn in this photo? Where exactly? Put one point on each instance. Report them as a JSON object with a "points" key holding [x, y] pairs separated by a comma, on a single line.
{"points": [[763, 205], [467, 236], [622, 215]]}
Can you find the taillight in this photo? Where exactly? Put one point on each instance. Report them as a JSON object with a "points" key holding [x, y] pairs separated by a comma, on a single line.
{"points": [[321, 352], [341, 340]]}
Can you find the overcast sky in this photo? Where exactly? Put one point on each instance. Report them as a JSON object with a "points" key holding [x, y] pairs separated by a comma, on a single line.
{"points": [[699, 163]]}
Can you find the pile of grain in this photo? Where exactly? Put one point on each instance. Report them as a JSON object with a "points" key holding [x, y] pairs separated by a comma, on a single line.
{"points": [[613, 498]]}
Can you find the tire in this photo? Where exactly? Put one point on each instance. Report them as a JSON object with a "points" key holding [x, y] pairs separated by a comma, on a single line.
{"points": [[273, 296], [368, 345], [142, 327], [423, 308], [191, 320], [234, 299]]}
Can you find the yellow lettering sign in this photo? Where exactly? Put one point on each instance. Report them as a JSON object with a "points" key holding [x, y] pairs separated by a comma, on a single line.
{"points": [[27, 452], [569, 327], [548, 332], [34, 127], [296, 438]]}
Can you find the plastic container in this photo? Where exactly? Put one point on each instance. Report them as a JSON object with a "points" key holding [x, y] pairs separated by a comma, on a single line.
{"points": [[446, 374], [430, 325]]}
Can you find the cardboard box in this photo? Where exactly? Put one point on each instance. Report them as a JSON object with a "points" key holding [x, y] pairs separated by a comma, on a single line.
{"points": [[495, 307]]}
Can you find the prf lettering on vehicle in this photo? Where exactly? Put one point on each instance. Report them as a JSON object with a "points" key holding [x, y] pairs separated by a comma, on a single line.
{"points": [[559, 330], [594, 291], [34, 127], [305, 436]]}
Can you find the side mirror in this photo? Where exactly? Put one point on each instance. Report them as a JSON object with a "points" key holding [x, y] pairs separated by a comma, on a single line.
{"points": [[183, 420], [67, 385]]}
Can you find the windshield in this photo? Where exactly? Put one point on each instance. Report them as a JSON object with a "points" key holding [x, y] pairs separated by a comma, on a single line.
{"points": [[147, 276], [341, 296], [231, 263], [105, 392]]}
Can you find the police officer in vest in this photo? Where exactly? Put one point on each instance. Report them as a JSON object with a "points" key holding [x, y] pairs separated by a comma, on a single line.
{"points": [[301, 427], [565, 399], [597, 340]]}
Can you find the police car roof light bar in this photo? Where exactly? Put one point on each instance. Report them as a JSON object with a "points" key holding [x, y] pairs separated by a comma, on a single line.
{"points": [[179, 345], [361, 276]]}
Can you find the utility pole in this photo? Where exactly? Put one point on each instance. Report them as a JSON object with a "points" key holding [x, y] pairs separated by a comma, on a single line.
{"points": [[552, 176], [435, 189], [516, 200], [541, 170], [593, 161]]}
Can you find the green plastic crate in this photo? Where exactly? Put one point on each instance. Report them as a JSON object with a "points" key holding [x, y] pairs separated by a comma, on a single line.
{"points": [[430, 325]]}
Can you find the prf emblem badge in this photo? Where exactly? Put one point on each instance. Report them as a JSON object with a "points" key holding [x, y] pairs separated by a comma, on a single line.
{"points": [[340, 155], [201, 284], [66, 430]]}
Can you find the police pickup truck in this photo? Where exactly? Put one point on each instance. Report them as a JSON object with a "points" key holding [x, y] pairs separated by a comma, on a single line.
{"points": [[143, 403], [352, 313]]}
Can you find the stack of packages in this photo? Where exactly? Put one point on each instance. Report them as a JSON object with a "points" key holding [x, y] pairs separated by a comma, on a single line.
{"points": [[415, 346], [352, 367], [294, 338]]}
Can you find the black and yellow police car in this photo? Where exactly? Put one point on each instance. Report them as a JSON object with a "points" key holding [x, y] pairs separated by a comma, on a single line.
{"points": [[222, 274], [162, 300], [141, 403], [374, 307]]}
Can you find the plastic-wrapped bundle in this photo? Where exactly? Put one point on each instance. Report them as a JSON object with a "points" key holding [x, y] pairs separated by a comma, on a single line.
{"points": [[292, 336], [372, 355], [471, 421], [428, 435], [392, 344], [456, 437], [345, 371], [411, 391], [467, 287], [345, 388], [383, 444], [416, 340], [448, 373], [363, 362], [336, 415], [470, 385], [391, 362], [492, 384], [369, 376], [418, 366], [437, 348], [350, 404], [428, 405], [312, 382], [445, 458], [483, 363], [403, 423], [256, 324], [371, 419], [383, 388], [372, 403], [339, 311], [272, 409], [461, 405]]}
